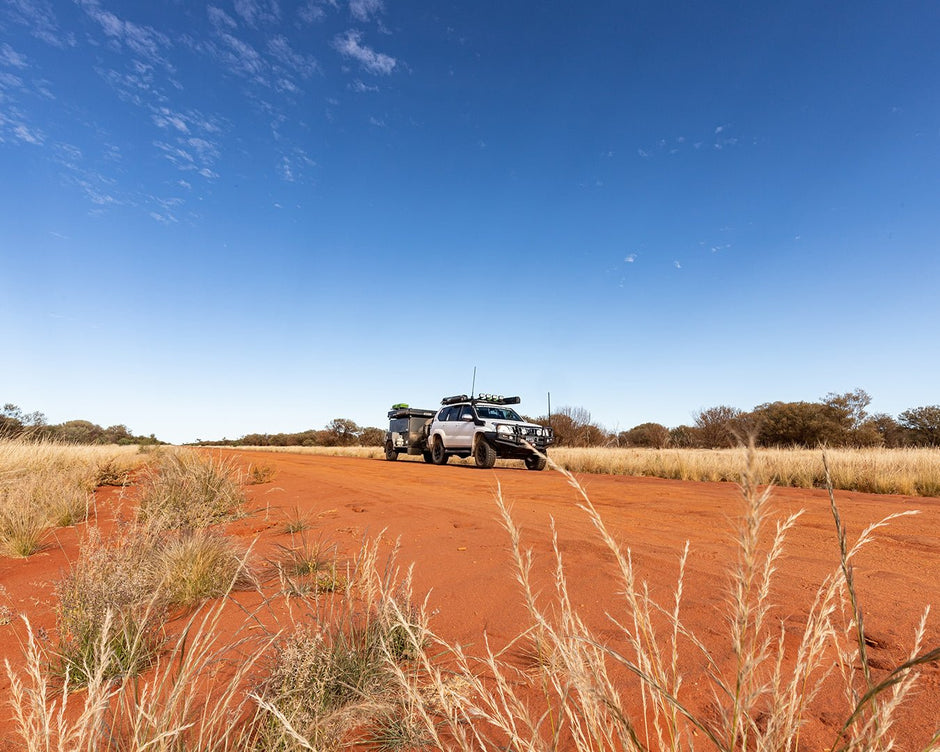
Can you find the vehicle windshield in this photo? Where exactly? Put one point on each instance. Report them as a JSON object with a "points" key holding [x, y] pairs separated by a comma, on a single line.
{"points": [[490, 412]]}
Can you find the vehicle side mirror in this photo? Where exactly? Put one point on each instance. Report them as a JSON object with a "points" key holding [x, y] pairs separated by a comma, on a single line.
{"points": [[466, 417]]}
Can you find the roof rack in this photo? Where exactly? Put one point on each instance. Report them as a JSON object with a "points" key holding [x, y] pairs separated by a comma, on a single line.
{"points": [[455, 399], [493, 399]]}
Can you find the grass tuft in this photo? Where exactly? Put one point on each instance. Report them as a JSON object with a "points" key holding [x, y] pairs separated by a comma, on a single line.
{"points": [[108, 610], [188, 490], [196, 565], [258, 474]]}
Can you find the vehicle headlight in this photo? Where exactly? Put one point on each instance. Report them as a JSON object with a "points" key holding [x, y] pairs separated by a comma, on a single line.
{"points": [[503, 429]]}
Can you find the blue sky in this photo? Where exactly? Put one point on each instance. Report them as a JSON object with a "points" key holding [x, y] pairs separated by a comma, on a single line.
{"points": [[259, 215]]}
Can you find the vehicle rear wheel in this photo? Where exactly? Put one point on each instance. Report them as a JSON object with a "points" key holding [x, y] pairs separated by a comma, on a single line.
{"points": [[535, 462], [439, 455], [484, 454], [390, 454], [427, 457]]}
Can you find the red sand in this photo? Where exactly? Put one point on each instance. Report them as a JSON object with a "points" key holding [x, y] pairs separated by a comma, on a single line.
{"points": [[447, 524]]}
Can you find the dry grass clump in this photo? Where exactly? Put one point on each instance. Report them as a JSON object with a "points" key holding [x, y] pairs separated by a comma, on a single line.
{"points": [[117, 593], [915, 471], [258, 474], [307, 568], [107, 608], [184, 489], [193, 697], [195, 565], [32, 502], [334, 683], [44, 485]]}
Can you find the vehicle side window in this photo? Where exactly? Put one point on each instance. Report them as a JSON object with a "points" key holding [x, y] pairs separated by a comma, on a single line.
{"points": [[445, 413]]}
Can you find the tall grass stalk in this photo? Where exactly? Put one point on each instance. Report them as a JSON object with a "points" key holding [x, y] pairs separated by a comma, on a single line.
{"points": [[580, 699]]}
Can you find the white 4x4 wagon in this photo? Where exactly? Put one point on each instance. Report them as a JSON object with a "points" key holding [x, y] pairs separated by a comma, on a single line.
{"points": [[486, 428]]}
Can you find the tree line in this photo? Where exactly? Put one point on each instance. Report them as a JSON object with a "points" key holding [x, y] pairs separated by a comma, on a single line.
{"points": [[835, 420], [338, 432], [15, 424]]}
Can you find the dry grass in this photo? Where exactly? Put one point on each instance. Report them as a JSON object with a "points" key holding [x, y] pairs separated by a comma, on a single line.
{"points": [[195, 565], [184, 489], [361, 667], [45, 485], [108, 608], [912, 472]]}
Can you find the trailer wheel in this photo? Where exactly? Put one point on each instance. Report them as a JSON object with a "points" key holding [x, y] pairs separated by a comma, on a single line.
{"points": [[427, 457], [390, 454], [535, 462], [484, 454], [439, 455]]}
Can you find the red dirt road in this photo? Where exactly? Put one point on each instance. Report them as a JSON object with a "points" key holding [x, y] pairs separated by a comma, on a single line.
{"points": [[447, 523]]}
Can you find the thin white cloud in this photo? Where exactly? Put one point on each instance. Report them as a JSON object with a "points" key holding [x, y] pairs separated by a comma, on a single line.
{"points": [[12, 58], [280, 48], [642, 153], [141, 40], [677, 264], [350, 45], [241, 58], [362, 88], [255, 12], [314, 10], [28, 135], [630, 259], [221, 20], [363, 10], [39, 17]]}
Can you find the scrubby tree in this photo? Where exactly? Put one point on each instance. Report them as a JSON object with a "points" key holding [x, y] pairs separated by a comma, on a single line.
{"points": [[719, 426], [79, 432], [371, 436], [647, 435], [683, 436], [573, 427], [341, 432], [890, 432], [806, 424], [923, 423], [852, 406]]}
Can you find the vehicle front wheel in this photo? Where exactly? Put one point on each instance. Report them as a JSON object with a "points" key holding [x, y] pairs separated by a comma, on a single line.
{"points": [[484, 454], [439, 455], [390, 454], [535, 462]]}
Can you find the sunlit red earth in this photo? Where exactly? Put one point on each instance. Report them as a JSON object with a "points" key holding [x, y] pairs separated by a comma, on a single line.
{"points": [[446, 523]]}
